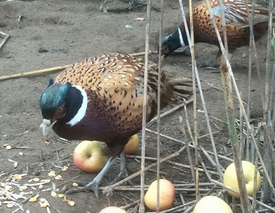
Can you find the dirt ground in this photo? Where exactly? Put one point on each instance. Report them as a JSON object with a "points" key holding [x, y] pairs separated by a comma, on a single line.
{"points": [[49, 33]]}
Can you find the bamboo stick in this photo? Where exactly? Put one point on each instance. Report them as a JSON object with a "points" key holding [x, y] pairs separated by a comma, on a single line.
{"points": [[201, 95], [233, 136], [52, 69], [144, 107], [35, 72], [158, 105], [239, 98], [7, 36]]}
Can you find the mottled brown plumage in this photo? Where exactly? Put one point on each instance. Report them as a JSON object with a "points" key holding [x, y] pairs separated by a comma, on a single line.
{"points": [[101, 98], [114, 85], [237, 25]]}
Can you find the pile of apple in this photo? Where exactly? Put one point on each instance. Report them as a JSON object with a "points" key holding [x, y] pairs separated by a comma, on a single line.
{"points": [[90, 156], [214, 204]]}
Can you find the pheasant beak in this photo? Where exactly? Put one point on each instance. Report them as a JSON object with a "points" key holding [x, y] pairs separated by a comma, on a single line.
{"points": [[46, 126]]}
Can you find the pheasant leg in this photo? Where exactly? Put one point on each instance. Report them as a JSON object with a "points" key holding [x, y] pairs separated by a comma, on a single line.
{"points": [[123, 170], [94, 184]]}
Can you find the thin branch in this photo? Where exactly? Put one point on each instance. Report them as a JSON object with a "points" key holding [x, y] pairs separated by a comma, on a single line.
{"points": [[7, 36], [144, 107]]}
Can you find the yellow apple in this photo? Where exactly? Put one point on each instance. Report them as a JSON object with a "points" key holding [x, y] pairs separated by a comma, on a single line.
{"points": [[112, 209], [132, 146], [166, 195], [89, 156], [212, 204], [230, 178]]}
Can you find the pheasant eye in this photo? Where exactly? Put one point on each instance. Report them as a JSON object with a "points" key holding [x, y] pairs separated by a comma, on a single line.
{"points": [[61, 109]]}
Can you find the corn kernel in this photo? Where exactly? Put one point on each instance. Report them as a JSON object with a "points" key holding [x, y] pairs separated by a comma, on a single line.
{"points": [[18, 177], [41, 186], [44, 205], [51, 174], [47, 142], [58, 177], [36, 179], [64, 168], [60, 195], [75, 184], [71, 203], [8, 147], [8, 188], [33, 199], [10, 205], [53, 194], [24, 187], [43, 200]]}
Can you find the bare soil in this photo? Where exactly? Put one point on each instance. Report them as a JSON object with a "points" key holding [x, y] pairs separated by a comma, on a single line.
{"points": [[49, 33]]}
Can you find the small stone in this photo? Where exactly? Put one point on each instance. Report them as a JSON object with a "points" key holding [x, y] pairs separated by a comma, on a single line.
{"points": [[42, 50]]}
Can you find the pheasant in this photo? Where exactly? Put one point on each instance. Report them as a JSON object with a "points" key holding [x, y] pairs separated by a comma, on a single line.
{"points": [[237, 26], [101, 98]]}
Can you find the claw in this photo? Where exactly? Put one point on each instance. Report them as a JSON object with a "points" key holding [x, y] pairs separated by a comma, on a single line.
{"points": [[94, 184]]}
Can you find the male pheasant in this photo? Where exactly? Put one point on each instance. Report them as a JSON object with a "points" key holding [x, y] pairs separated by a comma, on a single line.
{"points": [[237, 26], [101, 99]]}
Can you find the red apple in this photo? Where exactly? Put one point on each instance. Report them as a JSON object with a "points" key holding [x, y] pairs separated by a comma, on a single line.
{"points": [[89, 156], [166, 195], [112, 209], [212, 204], [132, 146]]}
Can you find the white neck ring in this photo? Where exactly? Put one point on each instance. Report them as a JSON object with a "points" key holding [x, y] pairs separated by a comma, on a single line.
{"points": [[82, 110]]}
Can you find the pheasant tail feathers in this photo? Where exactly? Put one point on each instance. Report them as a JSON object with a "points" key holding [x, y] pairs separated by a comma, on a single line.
{"points": [[177, 89]]}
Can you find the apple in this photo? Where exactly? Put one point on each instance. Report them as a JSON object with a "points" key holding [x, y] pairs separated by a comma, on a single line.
{"points": [[132, 146], [166, 195], [212, 204], [230, 178], [89, 156], [112, 209]]}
